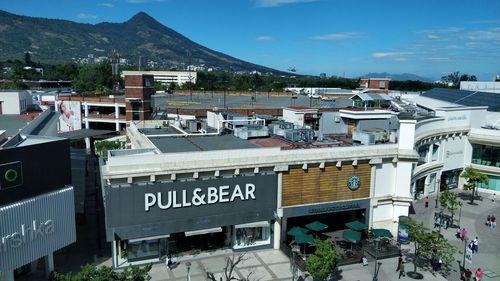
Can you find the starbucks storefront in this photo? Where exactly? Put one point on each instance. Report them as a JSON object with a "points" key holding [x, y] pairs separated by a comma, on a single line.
{"points": [[147, 221]]}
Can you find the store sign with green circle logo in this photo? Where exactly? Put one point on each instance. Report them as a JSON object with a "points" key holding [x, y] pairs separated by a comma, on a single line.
{"points": [[353, 182], [11, 175]]}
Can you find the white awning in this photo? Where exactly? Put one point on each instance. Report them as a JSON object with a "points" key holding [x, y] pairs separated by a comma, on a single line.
{"points": [[253, 224], [148, 238], [203, 231]]}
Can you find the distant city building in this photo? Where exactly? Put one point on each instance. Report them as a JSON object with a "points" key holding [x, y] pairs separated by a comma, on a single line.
{"points": [[167, 77], [376, 85]]}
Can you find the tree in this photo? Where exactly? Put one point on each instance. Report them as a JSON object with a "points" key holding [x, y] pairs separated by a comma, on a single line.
{"points": [[456, 77], [323, 261], [449, 201], [102, 147], [428, 244], [473, 177], [91, 272], [228, 274]]}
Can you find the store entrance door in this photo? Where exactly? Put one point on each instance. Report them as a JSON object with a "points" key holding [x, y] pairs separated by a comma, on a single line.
{"points": [[191, 243]]}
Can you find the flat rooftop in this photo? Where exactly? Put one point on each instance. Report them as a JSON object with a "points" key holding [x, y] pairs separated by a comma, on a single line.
{"points": [[216, 100], [199, 143], [174, 144]]}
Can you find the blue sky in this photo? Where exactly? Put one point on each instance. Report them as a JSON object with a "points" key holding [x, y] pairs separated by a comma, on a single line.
{"points": [[425, 37]]}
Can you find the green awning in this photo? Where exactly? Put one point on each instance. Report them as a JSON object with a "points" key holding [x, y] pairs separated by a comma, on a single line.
{"points": [[316, 226], [351, 235], [356, 225], [297, 230], [304, 238], [381, 232]]}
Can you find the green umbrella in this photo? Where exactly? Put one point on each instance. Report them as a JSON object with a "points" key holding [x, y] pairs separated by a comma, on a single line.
{"points": [[297, 230], [304, 238], [356, 225], [351, 235], [316, 226], [381, 232]]}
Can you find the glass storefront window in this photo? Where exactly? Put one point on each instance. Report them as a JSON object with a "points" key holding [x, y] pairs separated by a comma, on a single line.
{"points": [[422, 153], [493, 184], [143, 250], [449, 179], [251, 236], [432, 183], [435, 150], [486, 155]]}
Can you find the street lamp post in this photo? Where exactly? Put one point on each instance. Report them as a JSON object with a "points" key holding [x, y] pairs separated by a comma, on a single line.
{"points": [[438, 182], [293, 266], [465, 249], [188, 266], [377, 263], [459, 216]]}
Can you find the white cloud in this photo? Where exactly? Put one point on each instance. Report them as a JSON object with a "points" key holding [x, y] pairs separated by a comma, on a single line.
{"points": [[390, 54], [484, 35], [86, 16], [277, 3], [264, 38], [337, 36], [432, 37], [108, 5], [437, 58]]}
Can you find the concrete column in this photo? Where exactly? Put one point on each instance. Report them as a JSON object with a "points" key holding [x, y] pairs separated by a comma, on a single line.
{"points": [[86, 123], [7, 276], [406, 134], [117, 126], [86, 109], [117, 111], [277, 225], [49, 264], [277, 235], [426, 185]]}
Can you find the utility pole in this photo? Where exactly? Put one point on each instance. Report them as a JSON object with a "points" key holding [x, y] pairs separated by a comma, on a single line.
{"points": [[438, 183]]}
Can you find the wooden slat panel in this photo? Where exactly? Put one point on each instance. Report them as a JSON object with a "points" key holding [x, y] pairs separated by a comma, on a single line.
{"points": [[316, 185]]}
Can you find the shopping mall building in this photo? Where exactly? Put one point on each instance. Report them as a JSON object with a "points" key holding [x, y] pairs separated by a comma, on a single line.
{"points": [[456, 130], [240, 182], [37, 209]]}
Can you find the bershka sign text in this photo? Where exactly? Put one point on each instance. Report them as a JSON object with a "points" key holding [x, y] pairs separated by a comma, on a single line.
{"points": [[212, 195], [27, 233]]}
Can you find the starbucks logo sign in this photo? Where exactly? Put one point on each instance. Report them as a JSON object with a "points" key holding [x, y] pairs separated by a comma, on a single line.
{"points": [[353, 182]]}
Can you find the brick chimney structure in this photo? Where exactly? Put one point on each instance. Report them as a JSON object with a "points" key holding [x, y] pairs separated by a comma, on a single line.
{"points": [[138, 91]]}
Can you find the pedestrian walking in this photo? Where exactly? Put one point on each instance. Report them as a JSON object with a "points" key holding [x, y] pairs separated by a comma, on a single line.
{"points": [[475, 245], [400, 260], [402, 269], [488, 220], [467, 274], [479, 274], [426, 201], [493, 197], [493, 221]]}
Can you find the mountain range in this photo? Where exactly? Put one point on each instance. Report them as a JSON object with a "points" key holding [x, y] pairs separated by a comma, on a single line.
{"points": [[397, 77], [55, 41]]}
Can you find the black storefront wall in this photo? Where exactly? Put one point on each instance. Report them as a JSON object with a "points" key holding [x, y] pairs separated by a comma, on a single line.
{"points": [[134, 211], [321, 209], [30, 170]]}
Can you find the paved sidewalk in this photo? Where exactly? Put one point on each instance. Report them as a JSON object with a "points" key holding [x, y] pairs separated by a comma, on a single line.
{"points": [[473, 218], [267, 265]]}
